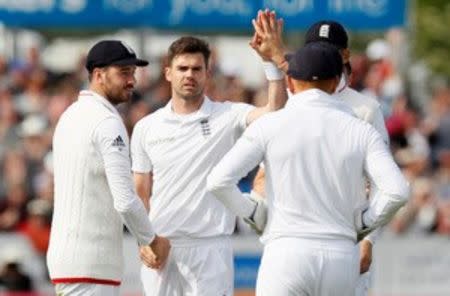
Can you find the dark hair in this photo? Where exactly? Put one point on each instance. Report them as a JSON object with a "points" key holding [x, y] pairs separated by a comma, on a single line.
{"points": [[188, 44]]}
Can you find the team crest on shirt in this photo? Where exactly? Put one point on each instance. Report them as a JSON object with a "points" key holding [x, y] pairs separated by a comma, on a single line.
{"points": [[206, 129]]}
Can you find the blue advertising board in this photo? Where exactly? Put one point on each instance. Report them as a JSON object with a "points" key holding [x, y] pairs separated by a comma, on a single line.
{"points": [[200, 15]]}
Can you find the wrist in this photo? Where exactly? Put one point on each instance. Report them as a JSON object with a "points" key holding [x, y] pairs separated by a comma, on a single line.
{"points": [[279, 60], [272, 71]]}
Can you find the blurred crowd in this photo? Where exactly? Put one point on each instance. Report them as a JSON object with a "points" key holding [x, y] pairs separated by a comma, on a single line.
{"points": [[32, 98]]}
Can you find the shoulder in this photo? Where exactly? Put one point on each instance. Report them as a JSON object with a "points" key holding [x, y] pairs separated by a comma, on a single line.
{"points": [[151, 119], [363, 106], [358, 98], [228, 106]]}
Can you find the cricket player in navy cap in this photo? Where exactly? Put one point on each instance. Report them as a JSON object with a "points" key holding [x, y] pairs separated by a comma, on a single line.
{"points": [[316, 156], [363, 107], [94, 190]]}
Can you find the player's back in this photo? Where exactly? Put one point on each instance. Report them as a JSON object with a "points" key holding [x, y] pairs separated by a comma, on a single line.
{"points": [[314, 168]]}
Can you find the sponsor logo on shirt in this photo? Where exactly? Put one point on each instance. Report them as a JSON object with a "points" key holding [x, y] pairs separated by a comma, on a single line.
{"points": [[118, 142], [161, 141]]}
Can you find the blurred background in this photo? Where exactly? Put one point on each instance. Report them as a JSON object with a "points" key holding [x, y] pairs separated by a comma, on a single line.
{"points": [[400, 57]]}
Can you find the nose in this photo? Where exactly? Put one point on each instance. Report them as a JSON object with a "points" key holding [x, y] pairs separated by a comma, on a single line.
{"points": [[131, 79], [190, 73]]}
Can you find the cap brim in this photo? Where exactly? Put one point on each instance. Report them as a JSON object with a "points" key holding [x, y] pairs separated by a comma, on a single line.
{"points": [[130, 62]]}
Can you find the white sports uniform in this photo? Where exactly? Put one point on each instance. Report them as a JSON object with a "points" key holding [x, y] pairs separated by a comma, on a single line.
{"points": [[369, 110], [94, 193], [316, 157], [180, 151]]}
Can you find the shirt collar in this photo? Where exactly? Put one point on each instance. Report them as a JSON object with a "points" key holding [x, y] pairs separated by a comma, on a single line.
{"points": [[306, 96], [316, 96], [91, 95], [203, 112]]}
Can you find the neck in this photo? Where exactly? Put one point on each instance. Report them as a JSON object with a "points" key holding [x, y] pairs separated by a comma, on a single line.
{"points": [[98, 90], [95, 88], [323, 85], [181, 106]]}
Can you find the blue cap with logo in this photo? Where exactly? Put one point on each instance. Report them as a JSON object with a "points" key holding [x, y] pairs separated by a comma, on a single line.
{"points": [[328, 31], [112, 52], [315, 61]]}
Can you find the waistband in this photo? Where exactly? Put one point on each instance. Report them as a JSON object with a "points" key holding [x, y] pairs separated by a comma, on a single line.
{"points": [[345, 245], [199, 241]]}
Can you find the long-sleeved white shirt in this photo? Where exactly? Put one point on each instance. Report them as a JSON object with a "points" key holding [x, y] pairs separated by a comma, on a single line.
{"points": [[316, 156], [367, 109], [94, 191]]}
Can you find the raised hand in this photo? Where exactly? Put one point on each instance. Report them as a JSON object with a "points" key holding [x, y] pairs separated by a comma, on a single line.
{"points": [[267, 39]]}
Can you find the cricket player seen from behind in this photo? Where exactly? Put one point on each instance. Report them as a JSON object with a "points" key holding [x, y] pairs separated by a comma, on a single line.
{"points": [[365, 108], [316, 156]]}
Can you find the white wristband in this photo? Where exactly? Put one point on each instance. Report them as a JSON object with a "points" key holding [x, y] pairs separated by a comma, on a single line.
{"points": [[272, 72]]}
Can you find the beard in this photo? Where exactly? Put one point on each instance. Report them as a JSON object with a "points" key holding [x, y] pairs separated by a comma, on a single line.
{"points": [[117, 94]]}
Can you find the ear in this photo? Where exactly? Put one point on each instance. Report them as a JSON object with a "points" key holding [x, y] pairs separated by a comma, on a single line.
{"points": [[345, 55], [290, 84], [334, 84], [168, 73], [97, 75]]}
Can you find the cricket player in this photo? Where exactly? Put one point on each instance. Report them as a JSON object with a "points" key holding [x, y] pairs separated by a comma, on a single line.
{"points": [[316, 156], [94, 190], [363, 107], [173, 151]]}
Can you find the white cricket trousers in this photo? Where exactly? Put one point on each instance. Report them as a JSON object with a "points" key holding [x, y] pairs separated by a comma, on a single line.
{"points": [[363, 285], [86, 289], [308, 267], [200, 267]]}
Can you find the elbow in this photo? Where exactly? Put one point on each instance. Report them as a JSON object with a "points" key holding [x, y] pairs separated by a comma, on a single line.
{"points": [[212, 184], [403, 192], [123, 208]]}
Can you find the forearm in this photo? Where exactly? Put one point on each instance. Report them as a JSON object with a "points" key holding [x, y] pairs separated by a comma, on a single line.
{"points": [[232, 198], [382, 209], [374, 235], [276, 99], [126, 202], [143, 183], [259, 182], [223, 179]]}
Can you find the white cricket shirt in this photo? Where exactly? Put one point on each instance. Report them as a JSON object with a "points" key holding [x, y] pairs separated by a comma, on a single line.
{"points": [[180, 151], [316, 156], [94, 193], [367, 109]]}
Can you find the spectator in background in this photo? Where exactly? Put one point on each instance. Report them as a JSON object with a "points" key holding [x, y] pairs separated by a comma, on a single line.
{"points": [[13, 207], [36, 226], [9, 119], [13, 279], [442, 178]]}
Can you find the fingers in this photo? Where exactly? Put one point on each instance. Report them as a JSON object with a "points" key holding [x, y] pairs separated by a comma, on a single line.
{"points": [[258, 27], [280, 26], [148, 257], [255, 41], [265, 20], [272, 21]]}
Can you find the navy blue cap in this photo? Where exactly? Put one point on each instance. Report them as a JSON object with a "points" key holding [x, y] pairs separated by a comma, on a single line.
{"points": [[112, 52], [329, 31], [315, 61]]}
